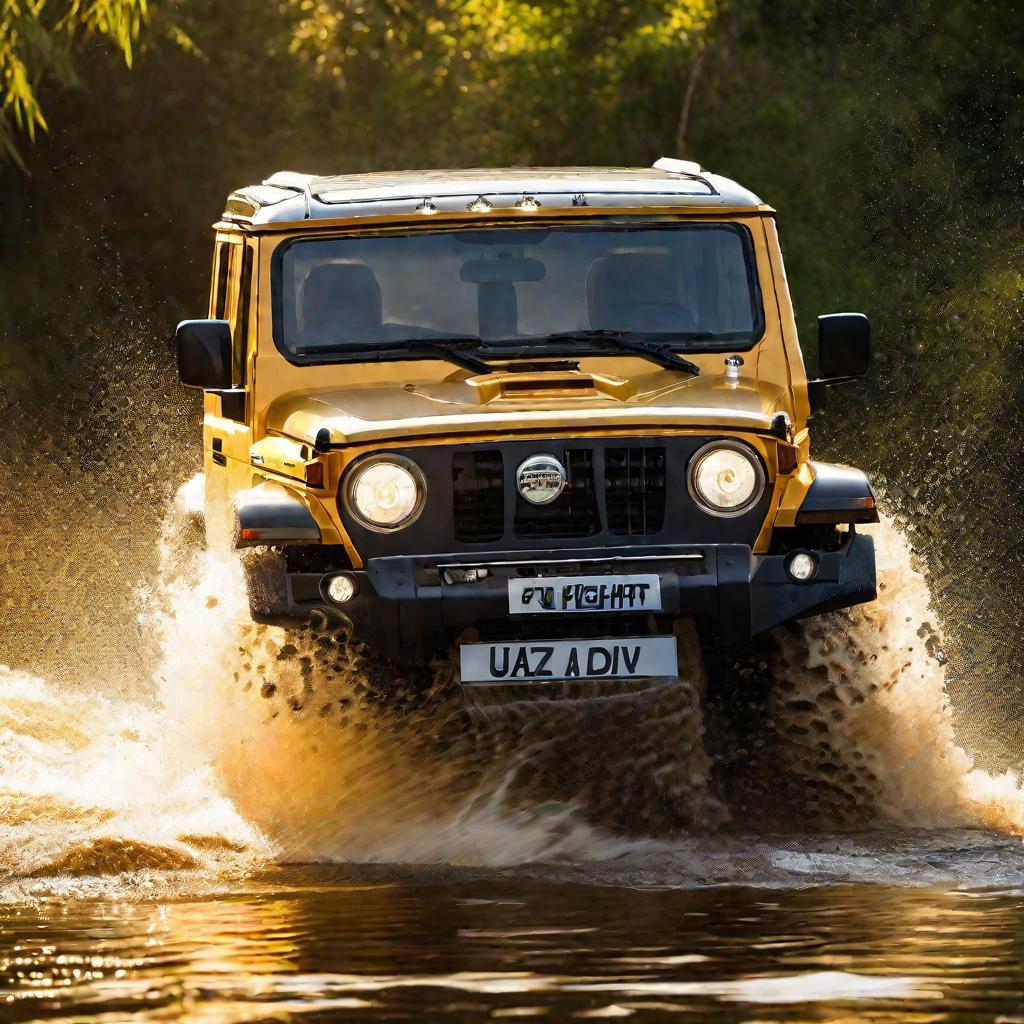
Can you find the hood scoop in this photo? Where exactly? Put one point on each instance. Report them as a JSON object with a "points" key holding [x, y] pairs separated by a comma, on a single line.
{"points": [[541, 384]]}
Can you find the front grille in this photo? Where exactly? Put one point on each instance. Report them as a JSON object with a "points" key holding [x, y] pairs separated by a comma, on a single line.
{"points": [[478, 489], [621, 492], [573, 513], [634, 490], [634, 496]]}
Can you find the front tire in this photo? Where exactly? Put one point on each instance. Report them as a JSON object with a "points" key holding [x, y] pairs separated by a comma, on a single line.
{"points": [[266, 584]]}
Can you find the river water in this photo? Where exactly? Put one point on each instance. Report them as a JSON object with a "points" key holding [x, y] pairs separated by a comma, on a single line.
{"points": [[260, 825], [345, 944]]}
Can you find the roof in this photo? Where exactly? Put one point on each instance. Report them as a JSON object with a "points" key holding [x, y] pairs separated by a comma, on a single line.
{"points": [[288, 197]]}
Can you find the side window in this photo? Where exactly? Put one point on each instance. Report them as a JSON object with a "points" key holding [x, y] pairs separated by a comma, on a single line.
{"points": [[241, 324], [243, 256], [230, 295], [219, 283]]}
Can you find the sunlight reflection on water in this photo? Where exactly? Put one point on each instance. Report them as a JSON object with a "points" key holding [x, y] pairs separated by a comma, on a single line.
{"points": [[435, 944]]}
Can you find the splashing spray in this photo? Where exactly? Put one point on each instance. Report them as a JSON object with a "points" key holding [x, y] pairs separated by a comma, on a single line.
{"points": [[263, 744]]}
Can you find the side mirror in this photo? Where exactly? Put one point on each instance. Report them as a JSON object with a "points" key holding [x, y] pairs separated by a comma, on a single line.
{"points": [[844, 352], [844, 345], [204, 354]]}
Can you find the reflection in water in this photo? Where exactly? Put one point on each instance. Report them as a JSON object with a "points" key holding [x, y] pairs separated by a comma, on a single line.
{"points": [[332, 945]]}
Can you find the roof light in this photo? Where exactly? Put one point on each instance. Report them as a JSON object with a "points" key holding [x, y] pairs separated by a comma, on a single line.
{"points": [[479, 205], [427, 207], [528, 204]]}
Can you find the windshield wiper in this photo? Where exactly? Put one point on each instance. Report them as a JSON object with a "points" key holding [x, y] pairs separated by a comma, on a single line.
{"points": [[443, 349], [440, 348], [640, 346]]}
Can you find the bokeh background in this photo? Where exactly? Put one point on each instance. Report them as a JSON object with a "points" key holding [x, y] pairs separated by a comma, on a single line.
{"points": [[889, 136]]}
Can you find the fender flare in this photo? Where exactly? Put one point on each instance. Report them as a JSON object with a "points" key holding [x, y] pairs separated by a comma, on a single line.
{"points": [[838, 494], [270, 515]]}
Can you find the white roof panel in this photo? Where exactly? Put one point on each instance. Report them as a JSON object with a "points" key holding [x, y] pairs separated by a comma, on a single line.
{"points": [[290, 196]]}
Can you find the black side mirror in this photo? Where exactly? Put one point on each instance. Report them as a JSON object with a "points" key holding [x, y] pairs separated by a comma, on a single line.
{"points": [[844, 345], [844, 352], [204, 354]]}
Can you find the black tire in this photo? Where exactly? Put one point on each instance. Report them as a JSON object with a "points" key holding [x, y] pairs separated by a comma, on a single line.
{"points": [[266, 584]]}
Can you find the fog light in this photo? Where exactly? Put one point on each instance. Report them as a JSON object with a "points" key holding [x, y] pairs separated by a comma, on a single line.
{"points": [[341, 589], [472, 575], [803, 566]]}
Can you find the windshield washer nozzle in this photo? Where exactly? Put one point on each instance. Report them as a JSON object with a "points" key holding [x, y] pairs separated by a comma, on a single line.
{"points": [[732, 368]]}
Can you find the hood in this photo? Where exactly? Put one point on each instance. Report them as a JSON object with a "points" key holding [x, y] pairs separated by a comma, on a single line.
{"points": [[562, 402]]}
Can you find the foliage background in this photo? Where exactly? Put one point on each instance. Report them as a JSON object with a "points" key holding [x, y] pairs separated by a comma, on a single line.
{"points": [[889, 134]]}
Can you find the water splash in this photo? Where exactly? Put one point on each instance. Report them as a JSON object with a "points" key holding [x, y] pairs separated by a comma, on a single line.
{"points": [[336, 758], [259, 744], [863, 719], [92, 786]]}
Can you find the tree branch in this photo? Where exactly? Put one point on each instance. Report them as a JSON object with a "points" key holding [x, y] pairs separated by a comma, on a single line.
{"points": [[684, 111]]}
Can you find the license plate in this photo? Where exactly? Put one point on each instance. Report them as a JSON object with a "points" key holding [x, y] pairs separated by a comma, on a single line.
{"points": [[584, 594], [622, 658]]}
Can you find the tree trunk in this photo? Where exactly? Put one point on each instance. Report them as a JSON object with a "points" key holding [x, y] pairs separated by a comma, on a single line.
{"points": [[684, 112]]}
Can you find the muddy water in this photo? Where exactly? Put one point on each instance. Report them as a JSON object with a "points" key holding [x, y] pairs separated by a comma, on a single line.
{"points": [[568, 856], [319, 945]]}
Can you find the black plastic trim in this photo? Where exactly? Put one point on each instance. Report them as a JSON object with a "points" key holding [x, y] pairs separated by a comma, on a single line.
{"points": [[407, 610], [684, 522], [280, 521], [839, 494], [233, 404]]}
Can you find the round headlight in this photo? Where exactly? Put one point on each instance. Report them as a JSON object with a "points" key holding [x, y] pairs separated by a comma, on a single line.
{"points": [[726, 478], [386, 493]]}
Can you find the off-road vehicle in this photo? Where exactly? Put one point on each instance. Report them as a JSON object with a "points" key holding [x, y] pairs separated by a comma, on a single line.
{"points": [[537, 414]]}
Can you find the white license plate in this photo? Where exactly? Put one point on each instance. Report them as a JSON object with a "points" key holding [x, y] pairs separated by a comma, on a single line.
{"points": [[584, 594], [621, 658]]}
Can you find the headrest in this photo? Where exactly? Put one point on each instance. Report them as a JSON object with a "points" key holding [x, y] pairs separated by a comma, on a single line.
{"points": [[636, 291], [343, 297]]}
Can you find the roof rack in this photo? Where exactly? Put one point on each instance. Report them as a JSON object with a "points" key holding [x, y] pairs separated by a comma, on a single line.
{"points": [[295, 180], [290, 196], [690, 168]]}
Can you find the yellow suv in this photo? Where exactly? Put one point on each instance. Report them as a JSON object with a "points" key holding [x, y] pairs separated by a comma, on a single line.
{"points": [[548, 410]]}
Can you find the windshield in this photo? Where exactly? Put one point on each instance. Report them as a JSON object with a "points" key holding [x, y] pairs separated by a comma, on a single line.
{"points": [[693, 284]]}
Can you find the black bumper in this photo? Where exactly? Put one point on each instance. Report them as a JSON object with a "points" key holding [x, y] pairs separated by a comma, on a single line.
{"points": [[407, 609]]}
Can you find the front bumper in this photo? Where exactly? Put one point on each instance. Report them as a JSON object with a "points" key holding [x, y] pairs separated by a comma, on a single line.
{"points": [[407, 608]]}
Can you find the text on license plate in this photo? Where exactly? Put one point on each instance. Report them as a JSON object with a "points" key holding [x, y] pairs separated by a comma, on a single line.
{"points": [[621, 658], [585, 594]]}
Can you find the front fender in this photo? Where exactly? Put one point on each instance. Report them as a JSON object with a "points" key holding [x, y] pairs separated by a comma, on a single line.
{"points": [[271, 515], [820, 492]]}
